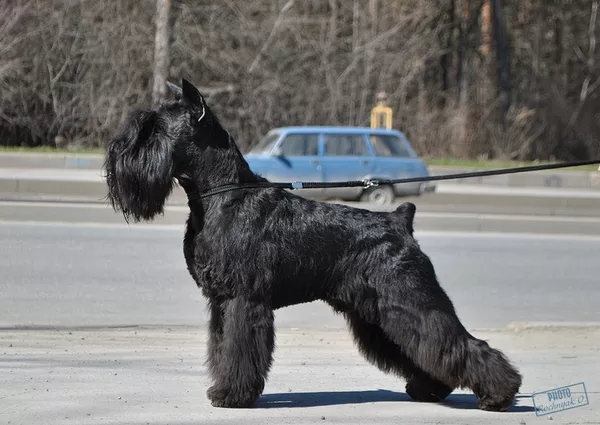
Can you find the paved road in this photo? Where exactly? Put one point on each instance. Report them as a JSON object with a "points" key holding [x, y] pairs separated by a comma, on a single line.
{"points": [[97, 275]]}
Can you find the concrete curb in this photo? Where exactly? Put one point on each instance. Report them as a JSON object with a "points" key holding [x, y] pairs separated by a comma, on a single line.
{"points": [[449, 198], [551, 178], [551, 326], [51, 160]]}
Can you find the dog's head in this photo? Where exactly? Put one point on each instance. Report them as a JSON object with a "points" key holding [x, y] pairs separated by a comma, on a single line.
{"points": [[157, 145]]}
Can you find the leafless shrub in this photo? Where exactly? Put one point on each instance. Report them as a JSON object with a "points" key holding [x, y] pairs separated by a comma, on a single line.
{"points": [[513, 139], [70, 70]]}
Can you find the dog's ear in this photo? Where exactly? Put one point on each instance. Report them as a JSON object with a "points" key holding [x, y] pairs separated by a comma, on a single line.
{"points": [[176, 90], [407, 212], [191, 94]]}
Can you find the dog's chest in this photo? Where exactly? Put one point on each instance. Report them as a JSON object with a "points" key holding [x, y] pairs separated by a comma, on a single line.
{"points": [[208, 267]]}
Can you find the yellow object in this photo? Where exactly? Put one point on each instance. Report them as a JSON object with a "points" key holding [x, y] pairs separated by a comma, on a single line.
{"points": [[381, 117]]}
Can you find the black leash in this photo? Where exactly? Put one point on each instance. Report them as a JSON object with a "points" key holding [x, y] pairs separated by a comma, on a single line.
{"points": [[194, 196]]}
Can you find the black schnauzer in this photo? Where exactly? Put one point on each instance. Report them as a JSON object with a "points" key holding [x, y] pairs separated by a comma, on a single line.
{"points": [[254, 250]]}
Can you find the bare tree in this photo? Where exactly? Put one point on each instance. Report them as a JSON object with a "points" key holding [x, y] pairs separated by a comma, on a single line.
{"points": [[161, 51], [517, 79]]}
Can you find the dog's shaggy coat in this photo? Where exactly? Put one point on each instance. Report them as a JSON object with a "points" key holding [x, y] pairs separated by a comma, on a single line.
{"points": [[252, 251]]}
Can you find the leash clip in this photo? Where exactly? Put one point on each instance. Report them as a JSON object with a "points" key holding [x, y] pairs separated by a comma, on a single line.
{"points": [[370, 183]]}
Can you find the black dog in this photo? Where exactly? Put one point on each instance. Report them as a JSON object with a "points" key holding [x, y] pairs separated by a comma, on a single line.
{"points": [[254, 250]]}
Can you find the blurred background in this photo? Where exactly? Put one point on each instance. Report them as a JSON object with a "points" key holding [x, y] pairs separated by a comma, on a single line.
{"points": [[470, 79]]}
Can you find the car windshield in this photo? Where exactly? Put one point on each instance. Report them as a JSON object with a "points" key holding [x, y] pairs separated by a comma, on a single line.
{"points": [[266, 143]]}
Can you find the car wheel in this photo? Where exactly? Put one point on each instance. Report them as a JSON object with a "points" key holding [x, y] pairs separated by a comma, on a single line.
{"points": [[378, 195]]}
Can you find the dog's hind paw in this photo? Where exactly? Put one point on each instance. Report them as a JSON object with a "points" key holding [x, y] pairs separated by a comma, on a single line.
{"points": [[427, 391], [496, 404]]}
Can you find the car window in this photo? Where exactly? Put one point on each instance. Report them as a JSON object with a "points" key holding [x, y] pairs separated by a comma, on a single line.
{"points": [[345, 145], [300, 145], [266, 143], [387, 145]]}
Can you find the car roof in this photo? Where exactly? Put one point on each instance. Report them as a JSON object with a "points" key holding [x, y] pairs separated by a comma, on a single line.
{"points": [[334, 129]]}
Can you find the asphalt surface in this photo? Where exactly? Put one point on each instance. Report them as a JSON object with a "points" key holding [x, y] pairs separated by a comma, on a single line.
{"points": [[111, 275]]}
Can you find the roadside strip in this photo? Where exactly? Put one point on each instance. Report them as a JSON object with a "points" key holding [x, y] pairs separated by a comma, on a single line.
{"points": [[64, 212]]}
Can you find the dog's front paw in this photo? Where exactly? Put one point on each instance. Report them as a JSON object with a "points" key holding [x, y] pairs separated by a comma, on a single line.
{"points": [[216, 393], [225, 397], [427, 391]]}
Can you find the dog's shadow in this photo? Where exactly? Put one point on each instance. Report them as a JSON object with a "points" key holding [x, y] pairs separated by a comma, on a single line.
{"points": [[336, 398]]}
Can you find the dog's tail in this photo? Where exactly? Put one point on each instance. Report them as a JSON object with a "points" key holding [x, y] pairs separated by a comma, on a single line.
{"points": [[406, 212]]}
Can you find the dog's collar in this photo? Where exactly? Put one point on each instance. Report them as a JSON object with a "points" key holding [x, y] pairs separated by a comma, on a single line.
{"points": [[193, 195]]}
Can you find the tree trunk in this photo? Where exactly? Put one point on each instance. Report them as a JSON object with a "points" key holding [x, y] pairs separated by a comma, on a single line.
{"points": [[446, 38], [504, 79], [463, 52], [486, 28], [487, 88], [161, 51]]}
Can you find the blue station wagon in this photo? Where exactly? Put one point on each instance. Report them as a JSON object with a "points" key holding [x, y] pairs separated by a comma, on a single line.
{"points": [[333, 154]]}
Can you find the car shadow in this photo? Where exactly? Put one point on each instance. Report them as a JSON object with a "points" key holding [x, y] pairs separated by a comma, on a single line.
{"points": [[336, 398]]}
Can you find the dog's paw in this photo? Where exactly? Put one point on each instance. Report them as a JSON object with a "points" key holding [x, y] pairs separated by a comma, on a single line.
{"points": [[428, 391], [215, 392], [496, 404], [224, 397]]}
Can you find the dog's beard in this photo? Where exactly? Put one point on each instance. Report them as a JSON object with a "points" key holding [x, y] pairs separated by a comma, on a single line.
{"points": [[139, 168]]}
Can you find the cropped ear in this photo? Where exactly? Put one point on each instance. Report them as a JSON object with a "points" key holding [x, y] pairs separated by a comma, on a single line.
{"points": [[192, 96], [176, 90], [191, 93]]}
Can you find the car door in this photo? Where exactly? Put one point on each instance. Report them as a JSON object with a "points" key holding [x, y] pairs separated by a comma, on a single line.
{"points": [[296, 158], [345, 157]]}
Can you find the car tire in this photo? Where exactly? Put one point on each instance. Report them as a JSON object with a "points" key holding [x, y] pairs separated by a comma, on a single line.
{"points": [[378, 195]]}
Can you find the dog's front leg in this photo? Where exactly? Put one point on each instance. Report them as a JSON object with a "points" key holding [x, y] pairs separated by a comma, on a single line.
{"points": [[242, 358], [215, 339]]}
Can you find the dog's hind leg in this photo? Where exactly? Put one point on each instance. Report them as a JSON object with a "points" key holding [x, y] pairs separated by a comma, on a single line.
{"points": [[244, 355], [435, 340], [377, 348]]}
